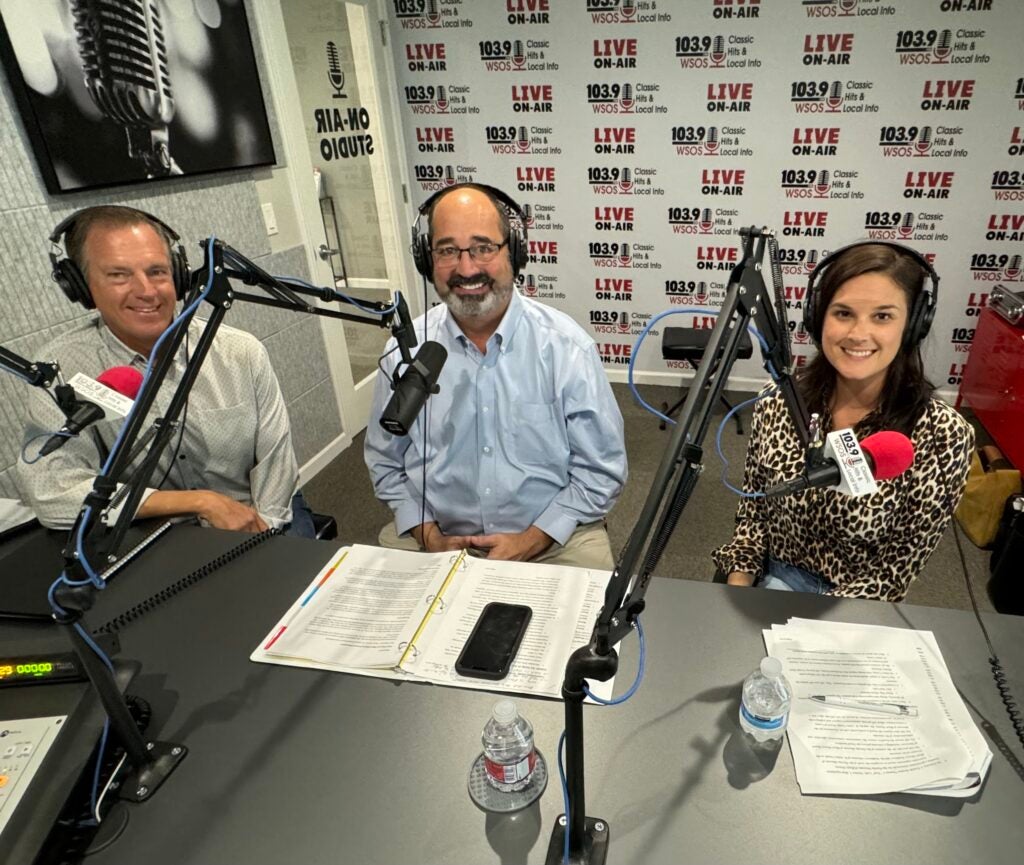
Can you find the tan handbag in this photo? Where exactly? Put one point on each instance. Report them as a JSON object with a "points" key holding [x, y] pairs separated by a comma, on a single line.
{"points": [[990, 482]]}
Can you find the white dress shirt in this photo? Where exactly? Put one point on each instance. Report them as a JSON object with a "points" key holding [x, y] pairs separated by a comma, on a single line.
{"points": [[236, 440]]}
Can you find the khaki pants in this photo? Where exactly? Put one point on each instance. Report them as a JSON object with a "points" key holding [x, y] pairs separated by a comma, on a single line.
{"points": [[587, 547]]}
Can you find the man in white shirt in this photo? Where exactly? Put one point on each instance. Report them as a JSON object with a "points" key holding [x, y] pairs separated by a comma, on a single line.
{"points": [[232, 463]]}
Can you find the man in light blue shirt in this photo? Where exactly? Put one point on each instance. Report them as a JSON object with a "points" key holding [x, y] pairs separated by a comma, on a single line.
{"points": [[524, 443]]}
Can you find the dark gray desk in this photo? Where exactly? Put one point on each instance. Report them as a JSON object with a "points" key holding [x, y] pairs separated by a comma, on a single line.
{"points": [[290, 765]]}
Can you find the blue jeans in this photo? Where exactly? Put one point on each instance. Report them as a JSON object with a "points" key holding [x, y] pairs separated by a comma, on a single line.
{"points": [[301, 525], [789, 578]]}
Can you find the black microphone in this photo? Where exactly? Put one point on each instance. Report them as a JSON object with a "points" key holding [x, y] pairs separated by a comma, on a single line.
{"points": [[124, 59], [417, 383], [86, 413]]}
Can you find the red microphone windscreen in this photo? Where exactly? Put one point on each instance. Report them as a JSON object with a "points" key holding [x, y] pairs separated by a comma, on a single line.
{"points": [[126, 380], [891, 451]]}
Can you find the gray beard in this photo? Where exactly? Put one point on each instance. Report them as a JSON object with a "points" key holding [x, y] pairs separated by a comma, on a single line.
{"points": [[478, 307]]}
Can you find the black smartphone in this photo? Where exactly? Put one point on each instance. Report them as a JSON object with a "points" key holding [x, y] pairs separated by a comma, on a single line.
{"points": [[491, 648]]}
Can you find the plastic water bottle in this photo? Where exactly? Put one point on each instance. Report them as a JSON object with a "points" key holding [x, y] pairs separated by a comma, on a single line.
{"points": [[509, 755], [764, 708]]}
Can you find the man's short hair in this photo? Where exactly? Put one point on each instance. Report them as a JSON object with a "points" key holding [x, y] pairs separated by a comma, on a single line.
{"points": [[106, 216]]}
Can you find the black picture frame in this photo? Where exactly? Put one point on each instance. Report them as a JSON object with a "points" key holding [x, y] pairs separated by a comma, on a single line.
{"points": [[218, 121]]}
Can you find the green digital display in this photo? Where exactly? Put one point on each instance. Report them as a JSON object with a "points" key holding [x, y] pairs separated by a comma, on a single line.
{"points": [[39, 668]]}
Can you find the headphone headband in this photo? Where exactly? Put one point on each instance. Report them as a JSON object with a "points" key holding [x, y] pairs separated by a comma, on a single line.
{"points": [[422, 254], [922, 308], [68, 275]]}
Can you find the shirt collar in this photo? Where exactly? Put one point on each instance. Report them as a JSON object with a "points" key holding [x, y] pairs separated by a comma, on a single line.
{"points": [[503, 333], [131, 356], [118, 348]]}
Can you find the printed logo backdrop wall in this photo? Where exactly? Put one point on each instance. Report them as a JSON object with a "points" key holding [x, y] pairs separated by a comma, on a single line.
{"points": [[639, 136]]}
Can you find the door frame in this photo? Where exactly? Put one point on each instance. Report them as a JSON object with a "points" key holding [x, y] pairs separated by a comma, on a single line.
{"points": [[353, 398]]}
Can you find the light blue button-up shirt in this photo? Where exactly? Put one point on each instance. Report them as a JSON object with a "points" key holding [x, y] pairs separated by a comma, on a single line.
{"points": [[528, 433]]}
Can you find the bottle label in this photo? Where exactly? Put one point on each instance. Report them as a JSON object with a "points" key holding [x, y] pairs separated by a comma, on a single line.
{"points": [[761, 722], [509, 773]]}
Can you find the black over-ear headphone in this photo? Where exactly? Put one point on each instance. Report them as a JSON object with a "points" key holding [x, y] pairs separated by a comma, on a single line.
{"points": [[922, 311], [68, 275], [517, 246]]}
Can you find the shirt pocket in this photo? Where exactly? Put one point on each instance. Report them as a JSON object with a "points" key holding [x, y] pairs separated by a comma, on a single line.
{"points": [[225, 440], [538, 434]]}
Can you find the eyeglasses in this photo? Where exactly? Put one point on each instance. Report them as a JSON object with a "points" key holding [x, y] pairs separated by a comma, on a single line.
{"points": [[481, 253]]}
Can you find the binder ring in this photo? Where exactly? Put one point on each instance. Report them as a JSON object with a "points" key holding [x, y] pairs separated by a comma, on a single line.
{"points": [[440, 602], [402, 646]]}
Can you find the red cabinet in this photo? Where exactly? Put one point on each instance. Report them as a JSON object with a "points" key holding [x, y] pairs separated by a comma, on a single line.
{"points": [[993, 383]]}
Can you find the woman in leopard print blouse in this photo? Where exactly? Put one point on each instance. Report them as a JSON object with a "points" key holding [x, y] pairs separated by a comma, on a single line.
{"points": [[868, 375]]}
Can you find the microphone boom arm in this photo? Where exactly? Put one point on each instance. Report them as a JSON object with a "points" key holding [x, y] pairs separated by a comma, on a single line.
{"points": [[286, 296], [36, 372], [75, 594], [43, 374], [747, 300]]}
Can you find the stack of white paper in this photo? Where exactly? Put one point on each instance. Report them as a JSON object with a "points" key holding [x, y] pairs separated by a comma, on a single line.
{"points": [[874, 710]]}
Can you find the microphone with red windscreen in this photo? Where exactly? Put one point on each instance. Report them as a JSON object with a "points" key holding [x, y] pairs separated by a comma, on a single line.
{"points": [[890, 454], [887, 453], [126, 380]]}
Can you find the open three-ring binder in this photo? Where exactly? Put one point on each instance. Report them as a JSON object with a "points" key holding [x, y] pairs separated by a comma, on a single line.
{"points": [[406, 615]]}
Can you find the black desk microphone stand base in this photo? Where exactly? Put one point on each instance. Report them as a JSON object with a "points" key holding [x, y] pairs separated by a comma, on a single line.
{"points": [[152, 762], [588, 836], [747, 297], [595, 843]]}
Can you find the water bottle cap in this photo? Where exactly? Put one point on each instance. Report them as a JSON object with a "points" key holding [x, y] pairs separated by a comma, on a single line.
{"points": [[504, 712], [771, 668]]}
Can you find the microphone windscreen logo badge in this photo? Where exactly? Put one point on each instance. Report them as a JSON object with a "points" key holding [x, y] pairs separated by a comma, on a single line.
{"points": [[334, 74], [811, 261], [707, 221], [944, 46], [626, 180], [800, 335], [433, 14], [530, 285], [847, 6], [528, 215], [442, 98], [701, 294], [835, 96], [623, 322], [625, 256], [628, 10], [717, 51], [449, 176]]}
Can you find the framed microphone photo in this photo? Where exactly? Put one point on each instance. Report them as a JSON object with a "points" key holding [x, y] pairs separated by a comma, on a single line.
{"points": [[131, 92]]}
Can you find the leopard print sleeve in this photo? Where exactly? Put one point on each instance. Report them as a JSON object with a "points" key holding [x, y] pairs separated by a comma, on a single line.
{"points": [[749, 544], [943, 443]]}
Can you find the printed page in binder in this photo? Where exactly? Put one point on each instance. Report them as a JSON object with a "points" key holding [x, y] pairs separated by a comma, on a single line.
{"points": [[406, 615], [365, 608]]}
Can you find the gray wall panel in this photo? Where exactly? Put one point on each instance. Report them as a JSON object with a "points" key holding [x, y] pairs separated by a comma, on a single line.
{"points": [[315, 421], [21, 184]]}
